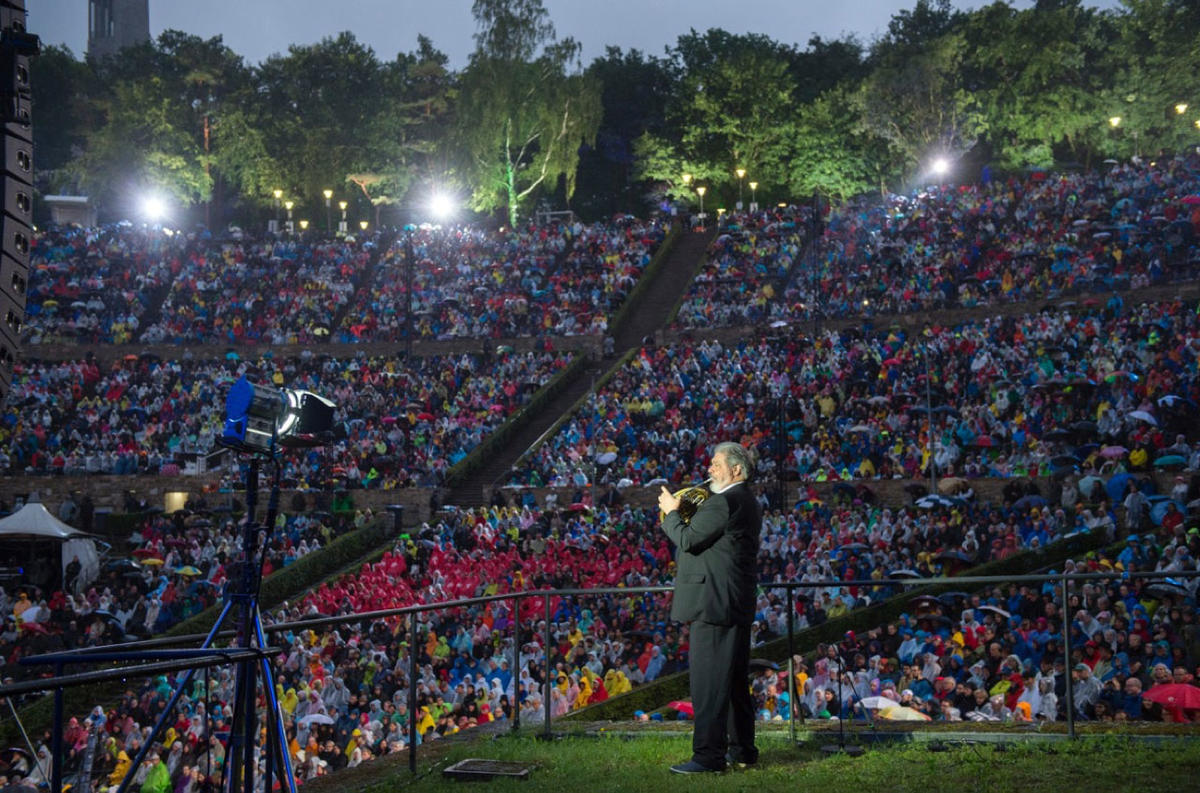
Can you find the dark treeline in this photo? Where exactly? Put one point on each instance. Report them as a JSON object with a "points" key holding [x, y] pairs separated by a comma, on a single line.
{"points": [[526, 121]]}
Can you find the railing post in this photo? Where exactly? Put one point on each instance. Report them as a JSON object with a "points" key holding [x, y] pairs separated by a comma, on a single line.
{"points": [[1067, 667], [56, 751], [412, 692], [516, 664], [547, 674]]}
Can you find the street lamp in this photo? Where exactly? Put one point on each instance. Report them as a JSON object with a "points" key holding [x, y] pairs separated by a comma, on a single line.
{"points": [[1114, 121], [701, 190], [741, 174], [753, 196], [342, 206], [278, 193], [304, 225], [328, 219], [288, 206], [687, 180], [1181, 108], [362, 224]]}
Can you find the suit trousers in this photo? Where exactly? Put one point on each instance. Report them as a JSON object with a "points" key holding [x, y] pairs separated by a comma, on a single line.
{"points": [[719, 667]]}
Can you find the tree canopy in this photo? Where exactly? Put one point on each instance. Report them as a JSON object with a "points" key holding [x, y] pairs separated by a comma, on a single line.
{"points": [[526, 121]]}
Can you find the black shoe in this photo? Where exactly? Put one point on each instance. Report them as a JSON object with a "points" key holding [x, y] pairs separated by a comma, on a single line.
{"points": [[692, 767], [734, 763]]}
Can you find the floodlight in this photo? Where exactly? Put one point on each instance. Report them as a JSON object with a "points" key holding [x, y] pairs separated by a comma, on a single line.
{"points": [[259, 419], [941, 166], [441, 205], [154, 208]]}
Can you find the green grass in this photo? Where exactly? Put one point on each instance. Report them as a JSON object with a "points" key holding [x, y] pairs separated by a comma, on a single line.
{"points": [[623, 758]]}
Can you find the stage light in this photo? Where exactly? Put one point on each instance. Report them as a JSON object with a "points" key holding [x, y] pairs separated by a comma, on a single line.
{"points": [[442, 206], [260, 419], [154, 208]]}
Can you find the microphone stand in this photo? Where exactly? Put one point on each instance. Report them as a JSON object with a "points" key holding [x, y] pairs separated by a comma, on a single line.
{"points": [[840, 747]]}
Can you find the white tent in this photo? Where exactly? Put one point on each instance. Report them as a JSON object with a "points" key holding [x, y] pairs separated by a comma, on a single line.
{"points": [[34, 522]]}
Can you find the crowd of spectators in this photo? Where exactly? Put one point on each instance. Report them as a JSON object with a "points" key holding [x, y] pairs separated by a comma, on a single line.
{"points": [[1079, 391], [1023, 238], [1075, 393], [344, 691], [397, 425], [556, 279], [93, 286], [118, 284], [998, 655]]}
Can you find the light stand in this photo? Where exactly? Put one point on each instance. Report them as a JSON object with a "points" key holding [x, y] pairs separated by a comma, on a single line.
{"points": [[259, 421]]}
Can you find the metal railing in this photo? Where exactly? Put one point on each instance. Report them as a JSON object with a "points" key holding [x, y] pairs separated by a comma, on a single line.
{"points": [[216, 657]]}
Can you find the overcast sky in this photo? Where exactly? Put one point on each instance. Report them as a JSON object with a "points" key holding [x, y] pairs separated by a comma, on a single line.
{"points": [[257, 29]]}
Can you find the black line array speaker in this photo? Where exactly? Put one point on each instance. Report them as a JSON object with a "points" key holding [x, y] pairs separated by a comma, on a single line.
{"points": [[17, 46]]}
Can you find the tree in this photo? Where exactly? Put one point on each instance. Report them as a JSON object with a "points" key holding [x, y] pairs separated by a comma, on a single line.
{"points": [[916, 101], [732, 108], [635, 90], [524, 109]]}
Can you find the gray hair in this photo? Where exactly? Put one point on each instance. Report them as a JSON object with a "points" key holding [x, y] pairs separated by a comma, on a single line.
{"points": [[737, 455]]}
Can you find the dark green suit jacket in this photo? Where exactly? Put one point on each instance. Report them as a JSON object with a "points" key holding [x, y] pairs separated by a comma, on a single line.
{"points": [[716, 559]]}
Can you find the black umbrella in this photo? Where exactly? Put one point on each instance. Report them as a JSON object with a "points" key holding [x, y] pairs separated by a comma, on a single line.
{"points": [[764, 663], [950, 597]]}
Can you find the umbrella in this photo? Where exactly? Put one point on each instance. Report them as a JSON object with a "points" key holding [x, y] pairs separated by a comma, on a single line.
{"points": [[1191, 199], [604, 458], [1141, 415], [901, 713], [1057, 435], [145, 553], [925, 601], [953, 485], [683, 707], [996, 610], [1170, 460], [878, 703], [188, 570], [855, 546], [315, 718], [1113, 452], [938, 500], [764, 663], [1167, 589], [1175, 695], [949, 597], [1029, 502], [958, 556], [1115, 487], [152, 562], [904, 572], [30, 614]]}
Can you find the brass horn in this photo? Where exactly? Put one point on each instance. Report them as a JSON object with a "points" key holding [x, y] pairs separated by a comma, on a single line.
{"points": [[690, 499]]}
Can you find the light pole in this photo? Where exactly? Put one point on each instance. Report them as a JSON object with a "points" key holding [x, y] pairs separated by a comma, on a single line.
{"points": [[278, 193], [408, 290], [741, 174], [328, 213], [342, 206], [753, 196], [288, 206], [701, 190]]}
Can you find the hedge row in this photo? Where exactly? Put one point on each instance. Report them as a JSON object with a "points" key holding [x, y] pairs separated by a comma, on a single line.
{"points": [[654, 695]]}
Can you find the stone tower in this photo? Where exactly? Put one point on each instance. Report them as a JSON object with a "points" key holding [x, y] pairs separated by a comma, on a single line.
{"points": [[116, 24]]}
